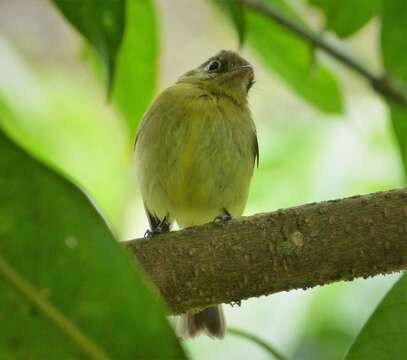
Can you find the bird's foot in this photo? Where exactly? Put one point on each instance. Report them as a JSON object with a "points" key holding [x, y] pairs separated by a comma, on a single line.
{"points": [[162, 227], [225, 216], [148, 234]]}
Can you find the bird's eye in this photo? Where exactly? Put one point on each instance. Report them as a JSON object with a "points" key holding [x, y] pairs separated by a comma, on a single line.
{"points": [[214, 65]]}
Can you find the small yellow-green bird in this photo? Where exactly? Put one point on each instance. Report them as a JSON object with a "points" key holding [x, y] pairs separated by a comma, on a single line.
{"points": [[195, 153]]}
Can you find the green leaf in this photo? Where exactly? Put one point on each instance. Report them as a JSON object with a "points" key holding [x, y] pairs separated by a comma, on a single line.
{"points": [[394, 45], [398, 117], [234, 9], [68, 289], [293, 59], [384, 335], [102, 23], [394, 37], [345, 17], [136, 70]]}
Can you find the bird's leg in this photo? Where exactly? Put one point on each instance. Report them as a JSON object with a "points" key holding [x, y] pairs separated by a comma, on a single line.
{"points": [[225, 216], [156, 226], [161, 227]]}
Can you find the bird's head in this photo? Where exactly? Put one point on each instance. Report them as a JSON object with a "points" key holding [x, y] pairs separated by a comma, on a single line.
{"points": [[226, 73]]}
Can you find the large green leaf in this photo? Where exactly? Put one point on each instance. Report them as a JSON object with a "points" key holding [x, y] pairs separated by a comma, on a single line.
{"points": [[102, 22], [394, 54], [384, 335], [67, 288], [137, 62], [345, 17], [293, 59]]}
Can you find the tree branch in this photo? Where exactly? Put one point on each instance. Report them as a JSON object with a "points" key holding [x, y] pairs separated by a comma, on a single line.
{"points": [[382, 84], [287, 249]]}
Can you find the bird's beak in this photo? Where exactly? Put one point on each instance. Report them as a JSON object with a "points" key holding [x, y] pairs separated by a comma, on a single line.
{"points": [[246, 70]]}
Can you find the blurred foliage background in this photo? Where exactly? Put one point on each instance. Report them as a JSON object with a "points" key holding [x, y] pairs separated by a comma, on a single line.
{"points": [[331, 137]]}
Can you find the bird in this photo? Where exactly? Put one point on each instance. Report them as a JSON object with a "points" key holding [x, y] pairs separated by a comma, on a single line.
{"points": [[195, 153]]}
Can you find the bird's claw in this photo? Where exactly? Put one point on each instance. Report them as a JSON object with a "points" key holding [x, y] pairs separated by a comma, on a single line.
{"points": [[224, 217], [148, 234], [161, 227]]}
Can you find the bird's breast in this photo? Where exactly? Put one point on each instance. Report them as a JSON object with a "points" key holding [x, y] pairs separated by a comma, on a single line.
{"points": [[204, 160]]}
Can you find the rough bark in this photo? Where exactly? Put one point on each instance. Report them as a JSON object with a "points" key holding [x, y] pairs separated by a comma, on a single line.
{"points": [[299, 247]]}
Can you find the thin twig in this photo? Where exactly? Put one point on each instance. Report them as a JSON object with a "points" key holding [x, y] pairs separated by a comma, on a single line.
{"points": [[382, 84], [262, 343]]}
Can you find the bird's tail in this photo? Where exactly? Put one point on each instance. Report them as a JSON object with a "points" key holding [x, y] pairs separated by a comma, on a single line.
{"points": [[210, 320]]}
